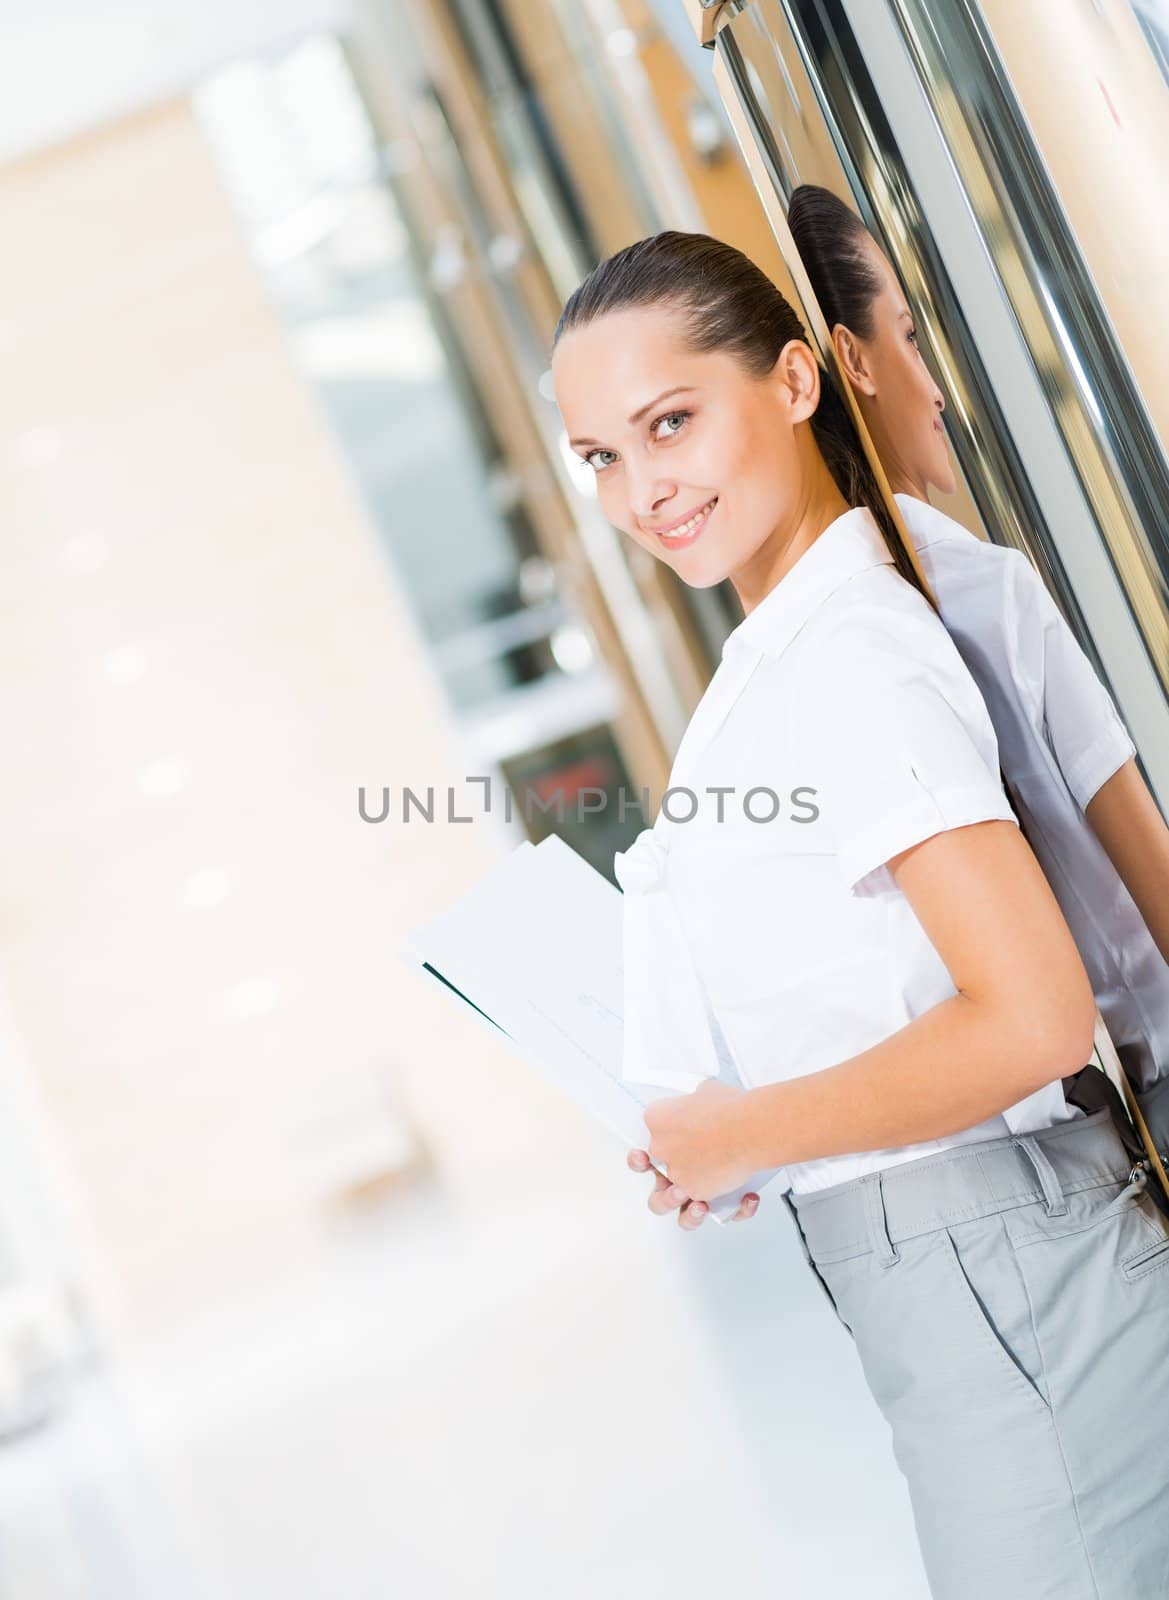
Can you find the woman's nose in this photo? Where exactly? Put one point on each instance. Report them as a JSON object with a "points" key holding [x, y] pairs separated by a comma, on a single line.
{"points": [[650, 499]]}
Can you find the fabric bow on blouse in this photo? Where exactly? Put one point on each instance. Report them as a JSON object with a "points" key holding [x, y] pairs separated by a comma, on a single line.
{"points": [[670, 1032]]}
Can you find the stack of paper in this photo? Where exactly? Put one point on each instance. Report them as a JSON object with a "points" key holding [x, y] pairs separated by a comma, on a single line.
{"points": [[535, 949]]}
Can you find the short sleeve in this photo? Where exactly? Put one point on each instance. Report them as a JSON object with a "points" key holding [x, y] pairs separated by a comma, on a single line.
{"points": [[1084, 729], [900, 739]]}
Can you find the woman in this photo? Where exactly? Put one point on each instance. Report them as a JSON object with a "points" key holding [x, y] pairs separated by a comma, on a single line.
{"points": [[881, 963], [1089, 816]]}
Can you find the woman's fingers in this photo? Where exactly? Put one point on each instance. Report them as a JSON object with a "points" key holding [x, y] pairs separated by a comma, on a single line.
{"points": [[667, 1197], [659, 1201]]}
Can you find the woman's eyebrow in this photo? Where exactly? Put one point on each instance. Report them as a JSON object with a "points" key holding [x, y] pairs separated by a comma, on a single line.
{"points": [[681, 388]]}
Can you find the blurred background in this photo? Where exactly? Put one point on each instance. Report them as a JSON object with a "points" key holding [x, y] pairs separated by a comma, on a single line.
{"points": [[306, 1286]]}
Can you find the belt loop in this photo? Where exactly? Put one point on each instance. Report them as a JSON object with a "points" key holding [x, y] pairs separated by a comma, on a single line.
{"points": [[1057, 1206], [877, 1221]]}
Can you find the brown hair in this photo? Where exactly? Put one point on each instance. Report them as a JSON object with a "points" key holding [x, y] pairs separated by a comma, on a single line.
{"points": [[832, 241], [728, 303]]}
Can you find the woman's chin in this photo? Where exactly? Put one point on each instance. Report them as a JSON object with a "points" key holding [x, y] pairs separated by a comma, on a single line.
{"points": [[698, 575], [699, 566], [943, 478]]}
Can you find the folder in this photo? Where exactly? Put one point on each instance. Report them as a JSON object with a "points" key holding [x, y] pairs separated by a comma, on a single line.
{"points": [[534, 951]]}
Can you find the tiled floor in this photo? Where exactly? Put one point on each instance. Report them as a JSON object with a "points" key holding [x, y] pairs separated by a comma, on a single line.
{"points": [[502, 1403]]}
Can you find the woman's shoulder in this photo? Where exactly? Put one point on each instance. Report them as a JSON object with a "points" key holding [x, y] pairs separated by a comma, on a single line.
{"points": [[876, 631], [947, 548], [877, 609], [994, 603]]}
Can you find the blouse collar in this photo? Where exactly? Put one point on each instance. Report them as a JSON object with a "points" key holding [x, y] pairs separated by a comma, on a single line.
{"points": [[927, 525], [850, 544]]}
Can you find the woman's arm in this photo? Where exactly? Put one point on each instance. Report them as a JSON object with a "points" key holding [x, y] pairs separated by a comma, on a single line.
{"points": [[1125, 818], [1023, 1016], [1091, 744]]}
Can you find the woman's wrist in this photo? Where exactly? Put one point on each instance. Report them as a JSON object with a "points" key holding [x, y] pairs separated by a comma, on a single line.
{"points": [[759, 1126]]}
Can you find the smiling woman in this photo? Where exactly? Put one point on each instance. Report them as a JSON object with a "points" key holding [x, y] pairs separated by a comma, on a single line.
{"points": [[696, 481], [894, 989]]}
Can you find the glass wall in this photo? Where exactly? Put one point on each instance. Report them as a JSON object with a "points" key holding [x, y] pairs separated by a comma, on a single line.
{"points": [[947, 129]]}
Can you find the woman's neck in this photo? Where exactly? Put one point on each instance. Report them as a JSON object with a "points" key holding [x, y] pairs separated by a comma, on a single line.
{"points": [[819, 506], [903, 482]]}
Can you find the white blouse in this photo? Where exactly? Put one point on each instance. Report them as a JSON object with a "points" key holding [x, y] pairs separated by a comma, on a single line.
{"points": [[1060, 738], [764, 936]]}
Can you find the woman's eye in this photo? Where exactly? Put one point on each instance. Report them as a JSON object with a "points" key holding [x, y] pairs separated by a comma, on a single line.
{"points": [[677, 418], [912, 336], [680, 417]]}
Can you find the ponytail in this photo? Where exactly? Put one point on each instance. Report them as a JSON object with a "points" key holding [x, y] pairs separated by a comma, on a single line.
{"points": [[839, 443]]}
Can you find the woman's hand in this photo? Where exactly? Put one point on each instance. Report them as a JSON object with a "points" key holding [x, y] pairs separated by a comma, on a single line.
{"points": [[698, 1137], [667, 1196]]}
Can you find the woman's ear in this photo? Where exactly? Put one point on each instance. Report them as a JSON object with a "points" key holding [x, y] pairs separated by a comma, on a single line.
{"points": [[798, 372], [850, 353]]}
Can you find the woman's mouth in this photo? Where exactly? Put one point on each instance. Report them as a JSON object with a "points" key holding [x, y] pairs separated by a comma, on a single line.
{"points": [[686, 532]]}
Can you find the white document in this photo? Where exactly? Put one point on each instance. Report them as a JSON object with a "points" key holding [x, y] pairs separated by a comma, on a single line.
{"points": [[535, 949]]}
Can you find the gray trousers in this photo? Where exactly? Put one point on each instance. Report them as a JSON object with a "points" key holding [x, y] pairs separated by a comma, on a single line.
{"points": [[1009, 1301]]}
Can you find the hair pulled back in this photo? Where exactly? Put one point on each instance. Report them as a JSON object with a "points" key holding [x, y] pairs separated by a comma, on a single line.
{"points": [[832, 241], [728, 303]]}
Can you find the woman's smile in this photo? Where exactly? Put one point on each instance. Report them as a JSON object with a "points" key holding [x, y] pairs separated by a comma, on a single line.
{"points": [[684, 532]]}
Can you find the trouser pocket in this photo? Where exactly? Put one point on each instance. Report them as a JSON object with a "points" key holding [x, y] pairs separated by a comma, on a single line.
{"points": [[946, 1331], [812, 1267], [952, 1362], [1150, 1259], [985, 1275]]}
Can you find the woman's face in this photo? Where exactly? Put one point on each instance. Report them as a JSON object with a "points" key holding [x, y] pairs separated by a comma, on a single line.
{"points": [[901, 403], [698, 462]]}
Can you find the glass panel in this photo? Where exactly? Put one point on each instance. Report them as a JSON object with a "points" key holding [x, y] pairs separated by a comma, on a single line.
{"points": [[299, 157], [1105, 58], [926, 140]]}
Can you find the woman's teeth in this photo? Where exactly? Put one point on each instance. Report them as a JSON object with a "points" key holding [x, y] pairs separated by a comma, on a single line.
{"points": [[688, 527]]}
